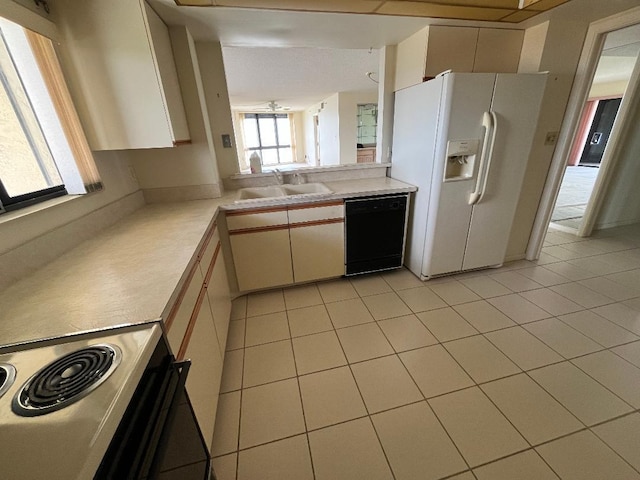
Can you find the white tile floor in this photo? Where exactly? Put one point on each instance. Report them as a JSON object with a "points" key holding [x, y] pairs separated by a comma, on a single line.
{"points": [[528, 372]]}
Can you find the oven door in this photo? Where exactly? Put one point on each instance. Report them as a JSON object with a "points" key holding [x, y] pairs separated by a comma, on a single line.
{"points": [[158, 436]]}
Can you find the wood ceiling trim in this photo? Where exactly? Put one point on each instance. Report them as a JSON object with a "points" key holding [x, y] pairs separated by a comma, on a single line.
{"points": [[423, 9], [479, 10]]}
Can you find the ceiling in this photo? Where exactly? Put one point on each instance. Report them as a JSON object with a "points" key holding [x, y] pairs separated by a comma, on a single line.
{"points": [[324, 51], [509, 11], [619, 53], [295, 77]]}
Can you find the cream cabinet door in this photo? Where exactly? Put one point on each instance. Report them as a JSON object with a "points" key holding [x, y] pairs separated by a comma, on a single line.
{"points": [[122, 73], [450, 48], [203, 381], [220, 298], [178, 318], [317, 250], [262, 257], [498, 50]]}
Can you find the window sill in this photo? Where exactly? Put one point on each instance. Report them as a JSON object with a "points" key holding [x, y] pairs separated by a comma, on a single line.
{"points": [[306, 168], [23, 212]]}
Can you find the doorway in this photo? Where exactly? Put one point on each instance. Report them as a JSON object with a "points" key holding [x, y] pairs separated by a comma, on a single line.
{"points": [[577, 198]]}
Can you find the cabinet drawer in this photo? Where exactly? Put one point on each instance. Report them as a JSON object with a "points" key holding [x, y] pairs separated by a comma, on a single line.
{"points": [[265, 218], [309, 213]]}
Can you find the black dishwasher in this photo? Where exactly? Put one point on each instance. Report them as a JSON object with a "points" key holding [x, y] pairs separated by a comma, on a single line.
{"points": [[375, 232]]}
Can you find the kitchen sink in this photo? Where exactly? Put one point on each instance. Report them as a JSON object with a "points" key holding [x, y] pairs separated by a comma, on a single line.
{"points": [[253, 193], [306, 188], [257, 193]]}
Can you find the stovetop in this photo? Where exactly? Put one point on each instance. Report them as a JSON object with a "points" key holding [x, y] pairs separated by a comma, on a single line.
{"points": [[58, 415]]}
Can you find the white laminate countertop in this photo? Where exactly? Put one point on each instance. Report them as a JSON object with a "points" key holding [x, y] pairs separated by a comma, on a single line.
{"points": [[128, 273]]}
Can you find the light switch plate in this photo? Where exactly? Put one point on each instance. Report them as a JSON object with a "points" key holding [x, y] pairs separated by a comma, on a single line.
{"points": [[551, 138]]}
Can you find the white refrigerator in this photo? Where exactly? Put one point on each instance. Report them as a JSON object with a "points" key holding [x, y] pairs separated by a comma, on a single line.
{"points": [[464, 140]]}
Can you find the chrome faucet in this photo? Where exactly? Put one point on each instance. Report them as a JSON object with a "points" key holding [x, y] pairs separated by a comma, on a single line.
{"points": [[298, 178], [278, 174]]}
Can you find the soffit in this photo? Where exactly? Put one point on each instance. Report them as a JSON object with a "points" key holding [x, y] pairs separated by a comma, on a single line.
{"points": [[507, 11]]}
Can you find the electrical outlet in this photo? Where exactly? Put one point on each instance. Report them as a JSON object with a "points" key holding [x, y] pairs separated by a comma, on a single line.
{"points": [[226, 140], [551, 138]]}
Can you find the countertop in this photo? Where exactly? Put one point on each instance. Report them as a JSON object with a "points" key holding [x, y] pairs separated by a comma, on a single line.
{"points": [[128, 273]]}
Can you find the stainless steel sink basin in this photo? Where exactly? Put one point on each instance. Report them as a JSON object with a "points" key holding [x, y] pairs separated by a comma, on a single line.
{"points": [[306, 189], [274, 191], [253, 193]]}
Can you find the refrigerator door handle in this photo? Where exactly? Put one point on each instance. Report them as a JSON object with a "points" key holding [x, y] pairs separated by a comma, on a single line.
{"points": [[489, 122]]}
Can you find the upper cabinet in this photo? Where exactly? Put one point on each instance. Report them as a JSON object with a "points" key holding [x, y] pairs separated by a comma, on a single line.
{"points": [[436, 48], [123, 74]]}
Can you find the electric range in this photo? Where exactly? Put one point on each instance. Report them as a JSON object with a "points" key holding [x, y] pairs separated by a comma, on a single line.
{"points": [[61, 401]]}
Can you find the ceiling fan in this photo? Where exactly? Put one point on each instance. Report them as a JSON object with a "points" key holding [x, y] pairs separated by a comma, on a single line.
{"points": [[272, 106]]}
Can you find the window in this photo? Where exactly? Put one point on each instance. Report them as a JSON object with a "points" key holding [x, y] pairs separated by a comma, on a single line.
{"points": [[268, 134], [39, 152]]}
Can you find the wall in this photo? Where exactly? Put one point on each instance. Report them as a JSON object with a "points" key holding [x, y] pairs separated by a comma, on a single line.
{"points": [[386, 102], [214, 83], [299, 137], [563, 41], [348, 118], [189, 171], [309, 135], [567, 28], [32, 237], [410, 60], [608, 89], [621, 205], [329, 131]]}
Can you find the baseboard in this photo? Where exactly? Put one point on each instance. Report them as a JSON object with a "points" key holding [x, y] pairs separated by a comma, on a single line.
{"points": [[22, 261], [182, 194], [606, 226]]}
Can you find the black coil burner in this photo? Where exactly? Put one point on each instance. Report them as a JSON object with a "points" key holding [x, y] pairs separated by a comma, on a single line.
{"points": [[7, 376], [66, 380]]}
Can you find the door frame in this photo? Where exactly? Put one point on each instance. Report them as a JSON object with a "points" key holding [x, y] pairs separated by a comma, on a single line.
{"points": [[589, 58]]}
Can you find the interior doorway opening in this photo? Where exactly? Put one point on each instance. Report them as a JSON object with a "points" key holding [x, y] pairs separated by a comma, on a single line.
{"points": [[577, 195]]}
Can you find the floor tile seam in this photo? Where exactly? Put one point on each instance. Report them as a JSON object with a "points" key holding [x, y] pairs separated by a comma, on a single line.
{"points": [[556, 399], [520, 452], [546, 309], [304, 416], [332, 329], [619, 455], [371, 313], [262, 444], [408, 349], [439, 420], [557, 351], [511, 288], [241, 394], [611, 349], [469, 374], [287, 309], [266, 313], [353, 377], [384, 452], [585, 307], [602, 384], [613, 419], [500, 412], [246, 347], [563, 359], [593, 339]]}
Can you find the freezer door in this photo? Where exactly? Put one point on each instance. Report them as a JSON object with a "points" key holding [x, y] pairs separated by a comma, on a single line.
{"points": [[414, 139], [468, 96], [516, 104]]}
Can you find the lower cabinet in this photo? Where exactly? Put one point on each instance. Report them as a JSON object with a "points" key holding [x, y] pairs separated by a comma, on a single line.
{"points": [[317, 251], [280, 246], [201, 346], [197, 326], [262, 257]]}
